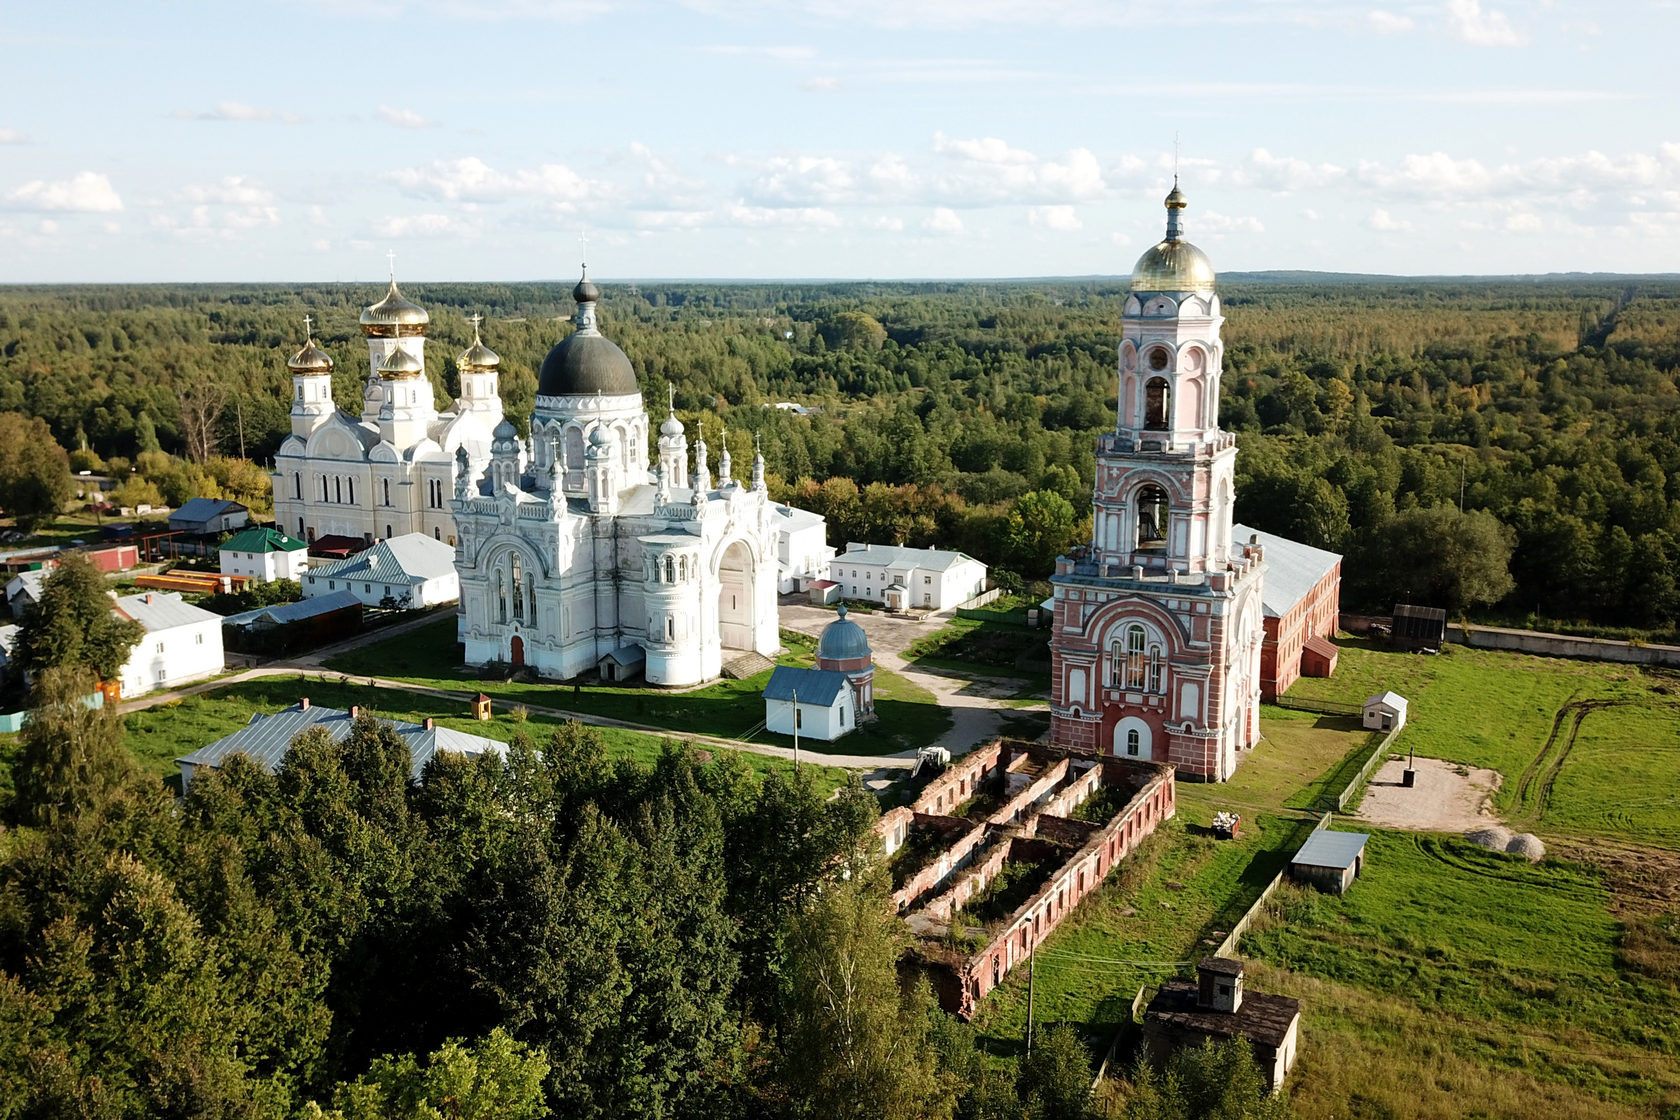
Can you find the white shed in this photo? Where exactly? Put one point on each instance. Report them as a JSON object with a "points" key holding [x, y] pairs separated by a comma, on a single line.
{"points": [[1386, 711], [818, 702]]}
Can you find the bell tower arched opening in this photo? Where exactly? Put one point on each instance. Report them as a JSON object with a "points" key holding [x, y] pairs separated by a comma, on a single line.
{"points": [[736, 622], [1157, 403], [1151, 519]]}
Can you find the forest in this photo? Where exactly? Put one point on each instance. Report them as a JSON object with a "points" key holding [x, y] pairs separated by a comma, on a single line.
{"points": [[1508, 449]]}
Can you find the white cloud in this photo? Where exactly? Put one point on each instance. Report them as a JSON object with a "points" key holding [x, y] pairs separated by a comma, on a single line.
{"points": [[1469, 23], [86, 192], [231, 190], [1433, 174], [1388, 23], [1285, 174], [403, 118], [943, 220], [12, 136], [1384, 222], [470, 179], [802, 217], [1524, 223], [236, 111], [1062, 219], [887, 223], [795, 179], [1214, 224], [987, 149], [822, 84], [426, 225]]}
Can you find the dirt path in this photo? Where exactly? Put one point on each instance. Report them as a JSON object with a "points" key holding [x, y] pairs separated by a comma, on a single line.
{"points": [[974, 702], [1447, 797]]}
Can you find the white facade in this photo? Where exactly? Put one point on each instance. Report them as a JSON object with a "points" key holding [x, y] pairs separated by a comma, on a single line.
{"points": [[815, 721], [182, 644], [574, 549], [412, 571], [258, 554], [922, 579], [390, 470], [802, 549]]}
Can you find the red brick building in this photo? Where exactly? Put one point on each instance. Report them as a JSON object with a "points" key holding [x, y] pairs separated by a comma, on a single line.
{"points": [[1301, 599]]}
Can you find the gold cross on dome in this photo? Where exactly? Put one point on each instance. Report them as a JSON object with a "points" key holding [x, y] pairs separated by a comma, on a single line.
{"points": [[475, 318], [307, 322], [391, 260]]}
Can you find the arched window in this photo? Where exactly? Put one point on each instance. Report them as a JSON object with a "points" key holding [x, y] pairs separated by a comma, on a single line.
{"points": [[297, 485], [501, 596], [531, 599], [351, 486], [338, 488], [518, 583], [574, 449], [670, 570], [387, 532], [1116, 659], [1155, 669], [1134, 657], [324, 488], [1132, 742], [300, 526], [1157, 402], [437, 534], [387, 483], [1151, 517]]}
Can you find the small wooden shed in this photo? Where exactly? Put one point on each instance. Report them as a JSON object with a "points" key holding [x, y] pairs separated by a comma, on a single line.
{"points": [[1421, 629], [1386, 711], [1330, 860]]}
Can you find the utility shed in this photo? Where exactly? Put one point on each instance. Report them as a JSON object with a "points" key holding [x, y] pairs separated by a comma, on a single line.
{"points": [[1330, 860], [1418, 628], [1386, 711], [1185, 1013]]}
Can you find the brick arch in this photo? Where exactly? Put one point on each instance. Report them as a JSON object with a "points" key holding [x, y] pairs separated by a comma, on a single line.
{"points": [[1110, 615]]}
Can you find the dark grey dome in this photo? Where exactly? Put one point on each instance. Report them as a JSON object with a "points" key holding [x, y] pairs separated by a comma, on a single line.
{"points": [[842, 640], [586, 362]]}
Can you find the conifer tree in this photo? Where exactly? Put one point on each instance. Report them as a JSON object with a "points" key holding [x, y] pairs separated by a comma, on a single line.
{"points": [[74, 625]]}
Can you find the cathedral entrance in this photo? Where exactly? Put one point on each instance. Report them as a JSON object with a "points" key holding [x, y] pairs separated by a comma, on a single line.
{"points": [[516, 651], [735, 597]]}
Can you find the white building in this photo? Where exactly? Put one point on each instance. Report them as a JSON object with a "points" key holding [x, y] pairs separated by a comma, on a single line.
{"points": [[923, 579], [802, 549], [390, 470], [819, 703], [182, 644], [412, 571], [24, 589], [572, 550], [263, 554], [1386, 711]]}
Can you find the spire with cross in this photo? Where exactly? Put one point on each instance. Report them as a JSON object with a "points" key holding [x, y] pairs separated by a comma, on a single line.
{"points": [[391, 262], [308, 334], [475, 319], [583, 252]]}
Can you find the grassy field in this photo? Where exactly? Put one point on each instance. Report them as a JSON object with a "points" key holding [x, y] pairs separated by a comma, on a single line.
{"points": [[909, 715], [993, 640], [1451, 981], [1617, 773], [157, 736]]}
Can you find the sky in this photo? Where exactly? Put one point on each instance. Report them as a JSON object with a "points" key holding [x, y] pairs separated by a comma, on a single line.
{"points": [[479, 140]]}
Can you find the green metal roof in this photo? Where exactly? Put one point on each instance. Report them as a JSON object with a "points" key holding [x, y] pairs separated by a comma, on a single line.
{"points": [[257, 539]]}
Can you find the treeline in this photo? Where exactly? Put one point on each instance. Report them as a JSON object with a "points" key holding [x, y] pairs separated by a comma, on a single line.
{"points": [[1549, 405]]}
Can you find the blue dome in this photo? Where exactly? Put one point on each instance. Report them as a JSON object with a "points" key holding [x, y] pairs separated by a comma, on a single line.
{"points": [[842, 640]]}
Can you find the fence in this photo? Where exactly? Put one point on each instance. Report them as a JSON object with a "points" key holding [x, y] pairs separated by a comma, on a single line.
{"points": [[979, 600], [1322, 707], [1378, 753]]}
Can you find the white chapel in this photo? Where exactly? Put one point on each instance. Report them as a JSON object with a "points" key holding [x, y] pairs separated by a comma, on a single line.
{"points": [[389, 471], [572, 554]]}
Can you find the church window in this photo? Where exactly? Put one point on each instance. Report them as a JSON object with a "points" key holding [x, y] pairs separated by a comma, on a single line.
{"points": [[1132, 742], [351, 486], [387, 532], [338, 488], [300, 526], [518, 583], [387, 484], [323, 488], [670, 627], [451, 541], [297, 485], [1157, 359], [1155, 669], [531, 598], [1152, 517], [501, 596], [1157, 403], [1116, 660], [1134, 657], [670, 570]]}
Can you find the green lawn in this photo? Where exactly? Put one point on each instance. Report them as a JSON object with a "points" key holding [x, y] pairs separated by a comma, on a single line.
{"points": [[993, 640], [1497, 710], [1452, 981], [909, 715], [159, 735]]}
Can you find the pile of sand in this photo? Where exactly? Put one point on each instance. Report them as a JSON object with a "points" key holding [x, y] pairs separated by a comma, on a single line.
{"points": [[1495, 838], [1527, 845]]}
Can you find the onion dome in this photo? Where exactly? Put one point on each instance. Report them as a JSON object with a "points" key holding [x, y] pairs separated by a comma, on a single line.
{"points": [[585, 361], [400, 365], [672, 427], [1173, 265], [600, 437], [842, 640], [393, 314], [311, 359], [477, 358], [505, 439]]}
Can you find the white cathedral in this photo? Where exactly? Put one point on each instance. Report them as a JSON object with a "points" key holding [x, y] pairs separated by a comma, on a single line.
{"points": [[572, 554]]}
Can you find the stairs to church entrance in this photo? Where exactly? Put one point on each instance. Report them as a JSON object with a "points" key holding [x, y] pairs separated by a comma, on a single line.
{"points": [[748, 664]]}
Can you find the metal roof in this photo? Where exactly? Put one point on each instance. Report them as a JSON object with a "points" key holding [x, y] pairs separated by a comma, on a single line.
{"points": [[814, 686], [627, 656], [899, 556], [1326, 848], [163, 610], [793, 518], [203, 509], [1292, 569], [282, 613], [408, 559], [1392, 699], [843, 640], [267, 738], [260, 539]]}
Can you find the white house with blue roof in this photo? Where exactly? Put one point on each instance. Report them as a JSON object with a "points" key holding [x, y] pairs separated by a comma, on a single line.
{"points": [[818, 703]]}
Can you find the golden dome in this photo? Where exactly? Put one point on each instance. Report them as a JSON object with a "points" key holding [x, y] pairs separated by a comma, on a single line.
{"points": [[311, 359], [477, 357], [1173, 266], [393, 313], [399, 364]]}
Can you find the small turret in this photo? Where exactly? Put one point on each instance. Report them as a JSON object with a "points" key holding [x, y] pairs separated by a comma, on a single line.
{"points": [[724, 462], [758, 467], [702, 471], [312, 400], [600, 471], [463, 474], [504, 456]]}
